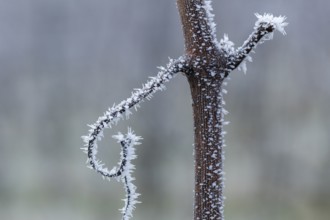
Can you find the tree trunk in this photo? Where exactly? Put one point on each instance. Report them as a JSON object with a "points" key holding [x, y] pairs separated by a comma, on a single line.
{"points": [[205, 79], [208, 120]]}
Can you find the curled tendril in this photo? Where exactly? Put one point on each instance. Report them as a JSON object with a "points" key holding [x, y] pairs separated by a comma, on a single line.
{"points": [[128, 141]]}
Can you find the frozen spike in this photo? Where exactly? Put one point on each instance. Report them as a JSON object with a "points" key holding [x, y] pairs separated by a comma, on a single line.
{"points": [[85, 138], [226, 122], [224, 111], [84, 148], [128, 113], [91, 126], [161, 68], [249, 58]]}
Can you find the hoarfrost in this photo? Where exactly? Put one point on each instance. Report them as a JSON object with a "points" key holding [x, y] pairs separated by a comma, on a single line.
{"points": [[263, 30], [268, 19], [129, 140], [204, 35]]}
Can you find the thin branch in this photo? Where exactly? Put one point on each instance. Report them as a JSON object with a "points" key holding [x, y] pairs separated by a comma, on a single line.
{"points": [[263, 30], [128, 141]]}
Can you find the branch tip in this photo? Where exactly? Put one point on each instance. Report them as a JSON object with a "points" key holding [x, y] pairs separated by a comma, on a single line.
{"points": [[263, 30], [266, 20]]}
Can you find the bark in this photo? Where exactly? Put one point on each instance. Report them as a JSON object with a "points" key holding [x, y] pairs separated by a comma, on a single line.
{"points": [[195, 29], [207, 65], [208, 120]]}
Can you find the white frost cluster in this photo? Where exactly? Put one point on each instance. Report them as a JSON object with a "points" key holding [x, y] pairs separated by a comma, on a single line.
{"points": [[268, 19], [263, 30], [128, 141], [242, 66], [129, 153], [227, 45], [210, 19]]}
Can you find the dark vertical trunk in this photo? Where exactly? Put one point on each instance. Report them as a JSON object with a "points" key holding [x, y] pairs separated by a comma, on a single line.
{"points": [[205, 83], [196, 30], [208, 120]]}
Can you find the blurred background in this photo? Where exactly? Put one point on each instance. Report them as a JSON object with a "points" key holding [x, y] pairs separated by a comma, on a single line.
{"points": [[64, 62]]}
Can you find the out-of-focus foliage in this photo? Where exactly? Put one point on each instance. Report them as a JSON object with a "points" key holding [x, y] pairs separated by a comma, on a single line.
{"points": [[65, 62]]}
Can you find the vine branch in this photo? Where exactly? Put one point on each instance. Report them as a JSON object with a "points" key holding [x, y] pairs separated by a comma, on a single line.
{"points": [[206, 63], [128, 141]]}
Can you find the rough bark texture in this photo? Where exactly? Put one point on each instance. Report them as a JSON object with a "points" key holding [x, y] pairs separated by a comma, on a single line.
{"points": [[196, 30], [205, 83], [208, 118]]}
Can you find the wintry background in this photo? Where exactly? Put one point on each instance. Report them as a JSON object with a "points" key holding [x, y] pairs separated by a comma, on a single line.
{"points": [[64, 62]]}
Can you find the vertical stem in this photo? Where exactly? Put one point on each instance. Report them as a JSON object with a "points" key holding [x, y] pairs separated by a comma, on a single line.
{"points": [[205, 80], [208, 120], [196, 29]]}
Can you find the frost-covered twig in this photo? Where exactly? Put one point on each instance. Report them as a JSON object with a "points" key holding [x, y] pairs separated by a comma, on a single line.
{"points": [[263, 30], [125, 169], [111, 117]]}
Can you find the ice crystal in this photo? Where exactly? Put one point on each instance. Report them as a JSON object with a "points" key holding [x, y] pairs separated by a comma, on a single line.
{"points": [[268, 19], [227, 46], [210, 20]]}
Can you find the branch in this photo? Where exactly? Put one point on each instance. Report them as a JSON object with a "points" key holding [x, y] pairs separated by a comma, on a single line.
{"points": [[127, 154], [128, 141], [198, 27], [263, 30]]}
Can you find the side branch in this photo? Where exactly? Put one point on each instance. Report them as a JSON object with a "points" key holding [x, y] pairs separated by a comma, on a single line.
{"points": [[111, 117], [263, 30], [114, 114]]}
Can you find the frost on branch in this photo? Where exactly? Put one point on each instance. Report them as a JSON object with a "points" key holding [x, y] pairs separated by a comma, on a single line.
{"points": [[278, 23], [210, 19], [128, 141], [263, 30]]}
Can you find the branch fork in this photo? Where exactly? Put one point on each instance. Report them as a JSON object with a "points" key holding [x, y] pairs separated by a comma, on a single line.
{"points": [[205, 61]]}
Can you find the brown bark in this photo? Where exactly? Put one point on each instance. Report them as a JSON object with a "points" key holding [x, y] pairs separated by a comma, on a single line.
{"points": [[208, 119], [197, 33], [207, 65]]}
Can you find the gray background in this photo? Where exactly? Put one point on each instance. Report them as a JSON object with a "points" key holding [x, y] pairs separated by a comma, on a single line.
{"points": [[64, 62]]}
